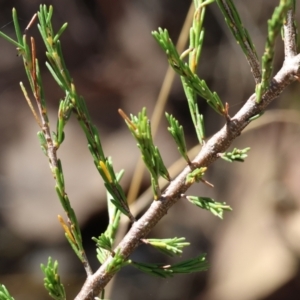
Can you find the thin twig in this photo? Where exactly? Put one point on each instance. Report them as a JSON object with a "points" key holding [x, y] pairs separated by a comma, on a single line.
{"points": [[208, 154], [290, 47], [51, 147]]}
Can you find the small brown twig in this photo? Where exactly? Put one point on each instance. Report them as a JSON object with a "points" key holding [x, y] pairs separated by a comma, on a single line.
{"points": [[51, 148]]}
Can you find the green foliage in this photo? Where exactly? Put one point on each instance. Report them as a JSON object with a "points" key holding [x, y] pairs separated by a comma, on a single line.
{"points": [[197, 264], [196, 175], [216, 208], [140, 128], [192, 80], [52, 280], [118, 197], [169, 247], [194, 52], [177, 133], [241, 35], [274, 27], [105, 241], [235, 155], [4, 293], [117, 262]]}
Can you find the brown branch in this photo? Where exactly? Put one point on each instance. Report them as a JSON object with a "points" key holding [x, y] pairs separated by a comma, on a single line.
{"points": [[208, 154]]}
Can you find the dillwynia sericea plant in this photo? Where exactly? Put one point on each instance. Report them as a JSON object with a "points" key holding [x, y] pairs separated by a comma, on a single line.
{"points": [[114, 257]]}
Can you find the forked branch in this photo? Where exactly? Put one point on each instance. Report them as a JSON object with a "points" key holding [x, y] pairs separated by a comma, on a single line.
{"points": [[208, 154]]}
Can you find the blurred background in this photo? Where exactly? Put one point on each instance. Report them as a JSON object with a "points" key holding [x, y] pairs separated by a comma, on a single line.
{"points": [[253, 253]]}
